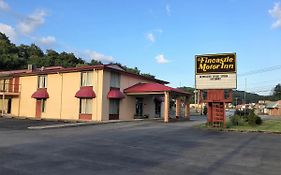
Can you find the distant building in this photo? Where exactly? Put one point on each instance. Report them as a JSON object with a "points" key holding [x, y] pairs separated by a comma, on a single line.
{"points": [[274, 108]]}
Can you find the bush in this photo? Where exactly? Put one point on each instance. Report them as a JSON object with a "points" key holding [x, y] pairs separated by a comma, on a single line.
{"points": [[259, 120], [237, 120], [253, 119]]}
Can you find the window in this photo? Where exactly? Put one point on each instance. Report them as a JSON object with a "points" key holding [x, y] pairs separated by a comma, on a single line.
{"points": [[4, 85], [43, 105], [115, 80], [42, 81], [87, 79], [86, 106], [114, 106]]}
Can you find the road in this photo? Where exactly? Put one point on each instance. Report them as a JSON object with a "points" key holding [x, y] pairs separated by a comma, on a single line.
{"points": [[143, 147]]}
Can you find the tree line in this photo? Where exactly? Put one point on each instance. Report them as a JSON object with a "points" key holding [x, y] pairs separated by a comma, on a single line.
{"points": [[14, 57]]}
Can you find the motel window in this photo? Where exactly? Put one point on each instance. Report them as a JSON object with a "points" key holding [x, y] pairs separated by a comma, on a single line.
{"points": [[4, 85], [42, 81], [86, 106], [87, 78], [114, 106], [115, 80], [43, 105]]}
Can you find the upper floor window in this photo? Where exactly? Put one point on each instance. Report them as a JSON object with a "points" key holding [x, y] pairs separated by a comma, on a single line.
{"points": [[115, 80], [87, 79], [42, 81], [4, 85]]}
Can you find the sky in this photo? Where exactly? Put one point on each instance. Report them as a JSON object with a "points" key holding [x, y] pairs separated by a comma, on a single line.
{"points": [[160, 37]]}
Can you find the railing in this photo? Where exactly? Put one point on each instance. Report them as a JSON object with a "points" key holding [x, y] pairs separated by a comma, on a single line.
{"points": [[9, 88]]}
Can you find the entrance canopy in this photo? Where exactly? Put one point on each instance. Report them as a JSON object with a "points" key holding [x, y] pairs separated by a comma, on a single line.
{"points": [[153, 88], [160, 89]]}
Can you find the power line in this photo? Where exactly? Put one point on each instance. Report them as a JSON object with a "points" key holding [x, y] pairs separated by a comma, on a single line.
{"points": [[267, 69]]}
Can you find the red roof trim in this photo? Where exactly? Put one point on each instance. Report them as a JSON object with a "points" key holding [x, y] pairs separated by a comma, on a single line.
{"points": [[115, 93], [85, 92], [40, 94]]}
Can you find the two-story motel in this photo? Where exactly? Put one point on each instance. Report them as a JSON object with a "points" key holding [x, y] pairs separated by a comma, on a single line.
{"points": [[95, 93]]}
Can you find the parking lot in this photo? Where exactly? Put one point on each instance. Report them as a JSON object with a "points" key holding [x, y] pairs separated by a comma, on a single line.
{"points": [[143, 147]]}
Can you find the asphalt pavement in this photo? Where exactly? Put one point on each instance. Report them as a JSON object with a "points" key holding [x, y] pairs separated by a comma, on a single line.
{"points": [[143, 147]]}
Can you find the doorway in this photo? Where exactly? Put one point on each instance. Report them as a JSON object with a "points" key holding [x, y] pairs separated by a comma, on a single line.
{"points": [[139, 106], [9, 106], [38, 111]]}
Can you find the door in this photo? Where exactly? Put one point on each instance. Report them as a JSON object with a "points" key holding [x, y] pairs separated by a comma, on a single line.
{"points": [[9, 106], [38, 109], [139, 106], [157, 109]]}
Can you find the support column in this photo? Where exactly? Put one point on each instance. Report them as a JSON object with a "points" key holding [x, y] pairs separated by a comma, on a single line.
{"points": [[3, 101], [178, 103], [166, 107], [186, 108]]}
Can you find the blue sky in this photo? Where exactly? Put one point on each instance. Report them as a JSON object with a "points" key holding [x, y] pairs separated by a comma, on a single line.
{"points": [[157, 36]]}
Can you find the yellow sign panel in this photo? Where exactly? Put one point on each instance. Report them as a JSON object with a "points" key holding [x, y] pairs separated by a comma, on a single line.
{"points": [[215, 71]]}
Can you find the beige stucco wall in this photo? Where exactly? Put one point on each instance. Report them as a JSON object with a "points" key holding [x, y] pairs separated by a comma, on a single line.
{"points": [[27, 104], [53, 103], [127, 105], [15, 106], [70, 104], [105, 90], [98, 101]]}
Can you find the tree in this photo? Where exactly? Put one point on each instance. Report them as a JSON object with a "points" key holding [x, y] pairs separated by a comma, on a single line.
{"points": [[277, 92]]}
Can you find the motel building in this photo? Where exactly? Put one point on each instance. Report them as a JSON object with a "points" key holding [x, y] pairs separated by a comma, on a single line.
{"points": [[89, 93]]}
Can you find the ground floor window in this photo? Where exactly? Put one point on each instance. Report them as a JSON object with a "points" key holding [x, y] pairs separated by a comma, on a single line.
{"points": [[86, 106], [114, 109], [43, 105]]}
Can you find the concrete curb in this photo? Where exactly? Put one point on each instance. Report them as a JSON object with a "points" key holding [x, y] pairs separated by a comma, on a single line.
{"points": [[242, 131], [82, 124]]}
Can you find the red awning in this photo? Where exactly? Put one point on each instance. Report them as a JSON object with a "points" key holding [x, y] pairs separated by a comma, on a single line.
{"points": [[115, 93], [40, 94], [85, 92], [153, 87]]}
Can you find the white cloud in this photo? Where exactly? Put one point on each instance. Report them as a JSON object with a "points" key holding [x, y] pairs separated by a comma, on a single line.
{"points": [[161, 59], [4, 5], [150, 37], [48, 40], [276, 14], [8, 30], [168, 9], [98, 56], [31, 22]]}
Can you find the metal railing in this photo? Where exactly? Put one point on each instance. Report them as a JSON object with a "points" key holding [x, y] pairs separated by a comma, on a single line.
{"points": [[9, 88]]}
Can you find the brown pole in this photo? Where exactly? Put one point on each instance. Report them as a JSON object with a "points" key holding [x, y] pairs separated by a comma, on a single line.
{"points": [[178, 107], [186, 108], [166, 107]]}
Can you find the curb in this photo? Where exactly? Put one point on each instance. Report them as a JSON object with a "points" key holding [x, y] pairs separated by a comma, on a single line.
{"points": [[80, 124]]}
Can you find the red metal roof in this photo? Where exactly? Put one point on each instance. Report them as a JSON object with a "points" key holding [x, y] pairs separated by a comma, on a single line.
{"points": [[58, 69], [115, 93], [152, 87], [40, 94], [85, 92]]}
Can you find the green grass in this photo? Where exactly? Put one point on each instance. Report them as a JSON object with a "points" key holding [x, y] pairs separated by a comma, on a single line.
{"points": [[266, 126]]}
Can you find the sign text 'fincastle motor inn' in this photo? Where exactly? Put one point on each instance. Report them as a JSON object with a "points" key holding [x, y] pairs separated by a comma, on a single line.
{"points": [[216, 71]]}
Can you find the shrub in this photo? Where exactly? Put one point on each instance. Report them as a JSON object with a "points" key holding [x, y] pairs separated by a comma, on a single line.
{"points": [[253, 119], [259, 120], [237, 120]]}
